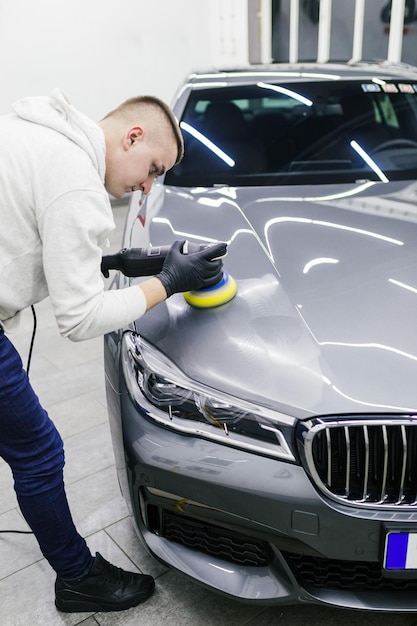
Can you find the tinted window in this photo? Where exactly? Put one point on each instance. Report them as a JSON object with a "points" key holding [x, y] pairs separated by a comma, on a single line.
{"points": [[299, 133]]}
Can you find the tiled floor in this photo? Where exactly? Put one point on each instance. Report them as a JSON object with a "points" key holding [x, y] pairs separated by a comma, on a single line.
{"points": [[69, 380]]}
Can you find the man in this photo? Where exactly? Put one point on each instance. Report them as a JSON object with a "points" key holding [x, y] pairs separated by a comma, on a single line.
{"points": [[57, 168]]}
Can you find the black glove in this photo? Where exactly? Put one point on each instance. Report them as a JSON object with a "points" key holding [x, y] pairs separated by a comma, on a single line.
{"points": [[196, 270]]}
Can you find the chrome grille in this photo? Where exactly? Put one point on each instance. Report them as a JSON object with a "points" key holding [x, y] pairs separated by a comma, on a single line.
{"points": [[364, 461]]}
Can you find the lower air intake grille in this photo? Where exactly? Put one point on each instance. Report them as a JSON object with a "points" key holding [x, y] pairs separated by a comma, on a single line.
{"points": [[347, 575], [215, 541], [366, 462]]}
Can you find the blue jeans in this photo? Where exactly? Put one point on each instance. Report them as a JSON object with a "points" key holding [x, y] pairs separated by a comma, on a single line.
{"points": [[31, 445]]}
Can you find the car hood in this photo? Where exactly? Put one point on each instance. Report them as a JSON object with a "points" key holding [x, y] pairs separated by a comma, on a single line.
{"points": [[324, 320]]}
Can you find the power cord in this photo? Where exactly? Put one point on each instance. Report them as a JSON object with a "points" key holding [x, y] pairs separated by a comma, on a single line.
{"points": [[32, 341]]}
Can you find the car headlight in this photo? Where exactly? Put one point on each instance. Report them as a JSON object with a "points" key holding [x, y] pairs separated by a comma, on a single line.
{"points": [[165, 394]]}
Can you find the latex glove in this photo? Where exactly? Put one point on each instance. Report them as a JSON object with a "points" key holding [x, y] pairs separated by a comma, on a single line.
{"points": [[196, 270]]}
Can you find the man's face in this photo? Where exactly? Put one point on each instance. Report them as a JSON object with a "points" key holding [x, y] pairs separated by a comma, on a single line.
{"points": [[137, 162]]}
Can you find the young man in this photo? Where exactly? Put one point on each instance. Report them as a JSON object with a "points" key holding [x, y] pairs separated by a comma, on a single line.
{"points": [[57, 168]]}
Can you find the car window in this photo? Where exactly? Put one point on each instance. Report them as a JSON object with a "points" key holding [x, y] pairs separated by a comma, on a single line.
{"points": [[299, 133]]}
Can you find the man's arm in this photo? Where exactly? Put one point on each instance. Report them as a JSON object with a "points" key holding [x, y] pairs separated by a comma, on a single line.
{"points": [[154, 292]]}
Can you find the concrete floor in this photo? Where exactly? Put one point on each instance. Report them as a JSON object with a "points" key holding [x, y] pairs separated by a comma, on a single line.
{"points": [[69, 380]]}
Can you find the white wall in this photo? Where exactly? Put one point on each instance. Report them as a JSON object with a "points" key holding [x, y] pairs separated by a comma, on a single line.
{"points": [[100, 52]]}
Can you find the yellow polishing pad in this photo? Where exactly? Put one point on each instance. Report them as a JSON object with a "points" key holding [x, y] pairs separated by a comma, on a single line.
{"points": [[213, 296]]}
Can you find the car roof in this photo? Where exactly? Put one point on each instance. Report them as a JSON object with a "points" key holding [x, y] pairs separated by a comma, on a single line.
{"points": [[302, 71]]}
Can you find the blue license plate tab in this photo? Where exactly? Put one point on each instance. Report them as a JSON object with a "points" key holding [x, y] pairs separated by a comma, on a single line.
{"points": [[400, 551]]}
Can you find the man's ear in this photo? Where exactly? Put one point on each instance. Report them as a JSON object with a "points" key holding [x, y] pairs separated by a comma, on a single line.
{"points": [[132, 136]]}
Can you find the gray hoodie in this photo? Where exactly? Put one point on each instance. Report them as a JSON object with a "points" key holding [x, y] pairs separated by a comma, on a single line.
{"points": [[55, 218]]}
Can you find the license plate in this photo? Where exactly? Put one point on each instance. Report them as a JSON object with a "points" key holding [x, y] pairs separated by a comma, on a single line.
{"points": [[400, 551]]}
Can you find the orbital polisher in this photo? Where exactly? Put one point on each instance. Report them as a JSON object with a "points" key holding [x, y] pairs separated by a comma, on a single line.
{"points": [[148, 261]]}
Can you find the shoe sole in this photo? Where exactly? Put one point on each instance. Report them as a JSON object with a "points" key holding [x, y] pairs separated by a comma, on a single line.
{"points": [[92, 606]]}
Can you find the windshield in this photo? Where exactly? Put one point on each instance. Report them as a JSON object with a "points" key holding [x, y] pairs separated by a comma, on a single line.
{"points": [[299, 133]]}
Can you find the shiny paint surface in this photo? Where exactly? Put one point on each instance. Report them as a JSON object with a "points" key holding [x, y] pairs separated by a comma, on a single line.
{"points": [[324, 317]]}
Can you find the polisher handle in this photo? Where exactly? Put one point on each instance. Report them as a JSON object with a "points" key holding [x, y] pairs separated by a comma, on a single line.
{"points": [[136, 261], [189, 248], [146, 261]]}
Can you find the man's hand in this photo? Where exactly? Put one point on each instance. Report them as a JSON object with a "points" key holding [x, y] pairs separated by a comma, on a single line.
{"points": [[196, 270]]}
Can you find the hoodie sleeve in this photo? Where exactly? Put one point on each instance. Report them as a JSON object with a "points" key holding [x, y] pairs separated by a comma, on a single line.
{"points": [[73, 228]]}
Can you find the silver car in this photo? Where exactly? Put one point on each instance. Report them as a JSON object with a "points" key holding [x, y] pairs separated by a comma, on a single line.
{"points": [[267, 447]]}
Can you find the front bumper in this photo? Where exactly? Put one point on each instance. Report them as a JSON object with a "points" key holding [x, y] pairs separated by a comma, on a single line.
{"points": [[188, 495]]}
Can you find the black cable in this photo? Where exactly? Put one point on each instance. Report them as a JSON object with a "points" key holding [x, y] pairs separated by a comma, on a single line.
{"points": [[32, 341]]}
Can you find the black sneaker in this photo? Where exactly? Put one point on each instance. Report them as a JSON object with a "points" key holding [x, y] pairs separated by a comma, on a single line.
{"points": [[105, 588]]}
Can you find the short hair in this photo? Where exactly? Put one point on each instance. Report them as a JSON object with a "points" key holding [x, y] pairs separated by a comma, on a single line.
{"points": [[130, 107]]}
